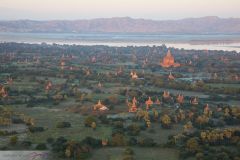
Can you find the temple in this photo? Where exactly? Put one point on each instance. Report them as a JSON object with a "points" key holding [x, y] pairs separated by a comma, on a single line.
{"points": [[3, 92], [99, 106], [93, 59], [88, 72], [157, 101], [132, 106], [168, 61], [62, 64], [235, 77], [104, 142], [148, 103], [134, 100], [119, 71], [100, 85], [194, 101], [215, 76], [48, 85], [206, 109], [134, 75], [166, 94], [180, 98], [10, 81]]}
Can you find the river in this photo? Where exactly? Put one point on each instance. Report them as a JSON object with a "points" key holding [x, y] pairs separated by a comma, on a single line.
{"points": [[196, 42]]}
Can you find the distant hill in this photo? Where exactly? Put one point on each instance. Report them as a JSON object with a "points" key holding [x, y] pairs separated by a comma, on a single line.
{"points": [[204, 25]]}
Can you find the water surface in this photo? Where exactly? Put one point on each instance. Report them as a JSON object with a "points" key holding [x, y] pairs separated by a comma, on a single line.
{"points": [[202, 42]]}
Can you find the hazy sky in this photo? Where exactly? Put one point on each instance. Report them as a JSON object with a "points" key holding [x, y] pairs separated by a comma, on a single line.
{"points": [[88, 9]]}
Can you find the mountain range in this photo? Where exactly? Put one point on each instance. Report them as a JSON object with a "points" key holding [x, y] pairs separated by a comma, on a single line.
{"points": [[203, 25]]}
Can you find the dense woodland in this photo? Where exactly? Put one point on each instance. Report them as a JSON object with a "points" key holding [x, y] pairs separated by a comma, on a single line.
{"points": [[49, 98]]}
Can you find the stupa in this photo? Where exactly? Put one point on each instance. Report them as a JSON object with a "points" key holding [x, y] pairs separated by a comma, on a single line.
{"points": [[170, 76], [62, 64], [99, 106]]}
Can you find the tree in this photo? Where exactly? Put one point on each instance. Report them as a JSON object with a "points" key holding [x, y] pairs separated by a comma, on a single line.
{"points": [[166, 121], [146, 115], [128, 151], [188, 126], [128, 157], [202, 120], [203, 135], [128, 154], [146, 142], [13, 140], [181, 115], [155, 114], [192, 145], [140, 114], [118, 140], [68, 152], [63, 125], [148, 123], [113, 99], [93, 125], [132, 141], [93, 142], [36, 129], [41, 146], [199, 156], [89, 120], [133, 129]]}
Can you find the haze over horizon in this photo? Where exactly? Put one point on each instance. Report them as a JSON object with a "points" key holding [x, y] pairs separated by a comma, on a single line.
{"points": [[151, 9], [120, 18]]}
